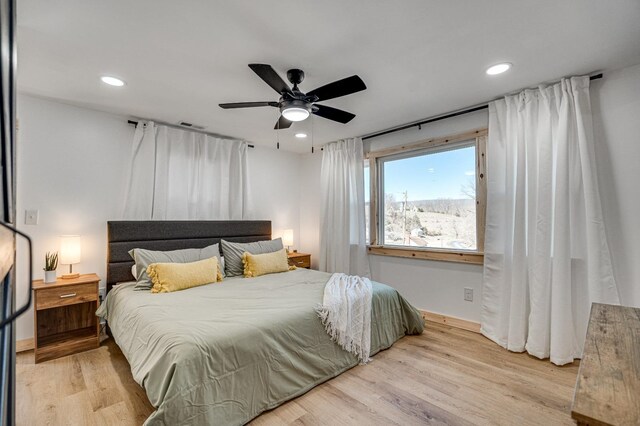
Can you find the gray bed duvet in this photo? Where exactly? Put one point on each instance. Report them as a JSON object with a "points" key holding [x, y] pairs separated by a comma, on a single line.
{"points": [[221, 354]]}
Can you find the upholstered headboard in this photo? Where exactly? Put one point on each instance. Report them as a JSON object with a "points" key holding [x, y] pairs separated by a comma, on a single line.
{"points": [[123, 236]]}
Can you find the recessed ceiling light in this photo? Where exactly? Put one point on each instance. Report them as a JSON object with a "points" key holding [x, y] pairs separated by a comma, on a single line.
{"points": [[498, 68], [301, 135], [112, 81]]}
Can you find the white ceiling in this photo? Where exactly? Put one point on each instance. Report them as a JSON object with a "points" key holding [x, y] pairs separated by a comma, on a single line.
{"points": [[418, 58]]}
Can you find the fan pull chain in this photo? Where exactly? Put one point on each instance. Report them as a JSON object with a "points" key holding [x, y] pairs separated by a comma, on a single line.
{"points": [[312, 133], [278, 133]]}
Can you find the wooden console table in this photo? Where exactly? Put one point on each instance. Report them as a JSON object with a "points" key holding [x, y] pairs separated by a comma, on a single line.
{"points": [[608, 385]]}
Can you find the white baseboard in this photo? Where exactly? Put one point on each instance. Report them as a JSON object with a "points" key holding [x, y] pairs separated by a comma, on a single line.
{"points": [[451, 321]]}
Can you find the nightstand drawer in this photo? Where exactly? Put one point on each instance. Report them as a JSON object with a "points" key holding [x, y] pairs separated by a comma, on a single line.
{"points": [[66, 295], [300, 261]]}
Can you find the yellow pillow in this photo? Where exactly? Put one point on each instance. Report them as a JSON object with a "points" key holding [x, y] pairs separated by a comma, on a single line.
{"points": [[266, 263], [168, 277]]}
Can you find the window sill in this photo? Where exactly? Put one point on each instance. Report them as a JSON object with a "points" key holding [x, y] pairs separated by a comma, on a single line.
{"points": [[473, 258]]}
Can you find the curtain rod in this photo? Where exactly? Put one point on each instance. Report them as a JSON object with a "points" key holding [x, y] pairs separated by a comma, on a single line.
{"points": [[443, 117], [135, 123]]}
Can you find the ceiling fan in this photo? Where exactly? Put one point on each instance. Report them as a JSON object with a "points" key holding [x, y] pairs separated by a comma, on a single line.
{"points": [[295, 105]]}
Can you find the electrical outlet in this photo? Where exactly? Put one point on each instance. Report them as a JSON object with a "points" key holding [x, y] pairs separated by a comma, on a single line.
{"points": [[468, 294], [31, 217]]}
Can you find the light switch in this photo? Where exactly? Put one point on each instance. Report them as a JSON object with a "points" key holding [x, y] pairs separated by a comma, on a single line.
{"points": [[31, 217]]}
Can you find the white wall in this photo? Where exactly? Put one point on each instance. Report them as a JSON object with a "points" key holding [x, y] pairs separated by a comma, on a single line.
{"points": [[274, 181], [615, 103], [71, 166], [310, 205], [438, 286]]}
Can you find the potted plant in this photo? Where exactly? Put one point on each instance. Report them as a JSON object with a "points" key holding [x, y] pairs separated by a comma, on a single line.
{"points": [[50, 266]]}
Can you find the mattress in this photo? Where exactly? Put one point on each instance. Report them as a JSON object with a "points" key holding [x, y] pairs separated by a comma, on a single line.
{"points": [[223, 353]]}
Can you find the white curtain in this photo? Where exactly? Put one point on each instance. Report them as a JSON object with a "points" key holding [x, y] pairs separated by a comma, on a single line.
{"points": [[342, 221], [179, 174], [546, 253]]}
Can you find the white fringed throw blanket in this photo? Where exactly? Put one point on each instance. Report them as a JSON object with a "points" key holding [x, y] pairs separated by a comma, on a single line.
{"points": [[346, 313]]}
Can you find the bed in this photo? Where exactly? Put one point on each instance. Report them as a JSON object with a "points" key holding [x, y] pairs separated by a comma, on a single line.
{"points": [[223, 353]]}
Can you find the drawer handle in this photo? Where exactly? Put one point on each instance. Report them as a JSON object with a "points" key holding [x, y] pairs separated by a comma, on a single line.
{"points": [[301, 262], [64, 296]]}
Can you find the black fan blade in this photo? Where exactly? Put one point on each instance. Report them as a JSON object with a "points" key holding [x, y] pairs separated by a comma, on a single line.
{"points": [[248, 105], [271, 77], [282, 123], [333, 114], [343, 87]]}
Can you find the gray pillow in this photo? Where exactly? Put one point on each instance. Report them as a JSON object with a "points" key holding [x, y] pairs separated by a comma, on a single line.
{"points": [[144, 258], [233, 252]]}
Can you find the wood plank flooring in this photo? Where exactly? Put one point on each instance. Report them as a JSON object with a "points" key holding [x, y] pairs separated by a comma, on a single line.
{"points": [[445, 376]]}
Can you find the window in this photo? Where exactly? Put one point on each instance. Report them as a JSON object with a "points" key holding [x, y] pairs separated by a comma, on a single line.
{"points": [[427, 199]]}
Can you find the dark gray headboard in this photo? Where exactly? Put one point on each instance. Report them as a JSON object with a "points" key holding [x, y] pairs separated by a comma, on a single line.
{"points": [[125, 235]]}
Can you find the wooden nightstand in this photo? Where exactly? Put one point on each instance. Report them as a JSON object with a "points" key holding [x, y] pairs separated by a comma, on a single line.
{"points": [[301, 260], [65, 319]]}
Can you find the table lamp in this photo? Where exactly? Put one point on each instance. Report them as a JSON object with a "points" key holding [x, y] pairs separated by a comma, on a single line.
{"points": [[70, 253], [287, 238]]}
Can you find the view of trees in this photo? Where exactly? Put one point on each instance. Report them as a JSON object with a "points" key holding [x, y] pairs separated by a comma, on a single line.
{"points": [[440, 223], [430, 200]]}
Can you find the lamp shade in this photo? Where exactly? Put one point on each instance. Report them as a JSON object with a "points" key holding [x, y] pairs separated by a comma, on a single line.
{"points": [[287, 237], [70, 249]]}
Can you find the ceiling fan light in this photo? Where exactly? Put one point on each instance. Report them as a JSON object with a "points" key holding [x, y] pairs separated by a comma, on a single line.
{"points": [[295, 113]]}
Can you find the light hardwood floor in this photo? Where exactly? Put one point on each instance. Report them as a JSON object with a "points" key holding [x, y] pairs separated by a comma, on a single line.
{"points": [[445, 376]]}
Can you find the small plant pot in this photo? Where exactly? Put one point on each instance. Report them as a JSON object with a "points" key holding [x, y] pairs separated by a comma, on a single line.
{"points": [[50, 277]]}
